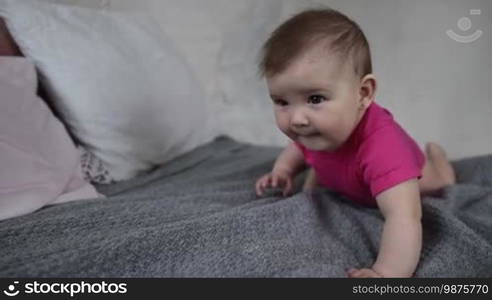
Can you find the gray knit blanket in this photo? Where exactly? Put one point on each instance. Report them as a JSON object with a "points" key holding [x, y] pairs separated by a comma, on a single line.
{"points": [[198, 216]]}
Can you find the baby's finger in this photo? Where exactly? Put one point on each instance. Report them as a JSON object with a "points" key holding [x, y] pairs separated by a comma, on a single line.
{"points": [[261, 185], [265, 181], [363, 273], [353, 273], [258, 188], [368, 273], [274, 181], [287, 187]]}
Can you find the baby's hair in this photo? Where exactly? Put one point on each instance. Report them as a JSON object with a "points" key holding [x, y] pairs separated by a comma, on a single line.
{"points": [[294, 36]]}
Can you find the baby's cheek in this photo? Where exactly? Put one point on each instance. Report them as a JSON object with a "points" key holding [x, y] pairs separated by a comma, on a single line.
{"points": [[327, 123], [286, 130], [282, 122]]}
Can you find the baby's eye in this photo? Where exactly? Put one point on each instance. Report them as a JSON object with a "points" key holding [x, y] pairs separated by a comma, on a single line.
{"points": [[280, 102], [316, 99]]}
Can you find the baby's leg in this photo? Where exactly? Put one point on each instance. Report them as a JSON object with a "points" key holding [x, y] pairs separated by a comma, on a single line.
{"points": [[437, 172]]}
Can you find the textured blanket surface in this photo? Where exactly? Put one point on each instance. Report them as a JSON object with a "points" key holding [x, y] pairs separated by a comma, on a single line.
{"points": [[198, 216]]}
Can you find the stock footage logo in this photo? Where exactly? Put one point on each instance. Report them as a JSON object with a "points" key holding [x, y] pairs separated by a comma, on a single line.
{"points": [[68, 288], [11, 290], [465, 24]]}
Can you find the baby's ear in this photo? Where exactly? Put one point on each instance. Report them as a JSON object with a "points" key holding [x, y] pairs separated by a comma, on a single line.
{"points": [[367, 90]]}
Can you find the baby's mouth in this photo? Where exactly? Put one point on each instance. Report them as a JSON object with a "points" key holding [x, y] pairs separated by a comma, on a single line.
{"points": [[308, 135]]}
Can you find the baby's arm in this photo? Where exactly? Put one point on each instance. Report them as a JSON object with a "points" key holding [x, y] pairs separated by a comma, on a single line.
{"points": [[289, 163], [290, 160], [401, 240], [311, 181]]}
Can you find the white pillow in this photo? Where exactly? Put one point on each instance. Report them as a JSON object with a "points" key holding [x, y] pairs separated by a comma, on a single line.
{"points": [[119, 84], [39, 163]]}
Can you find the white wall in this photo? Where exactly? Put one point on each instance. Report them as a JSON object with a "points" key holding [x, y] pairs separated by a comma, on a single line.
{"points": [[437, 88]]}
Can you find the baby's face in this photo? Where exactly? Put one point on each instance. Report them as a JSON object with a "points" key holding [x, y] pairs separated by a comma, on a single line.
{"points": [[317, 100]]}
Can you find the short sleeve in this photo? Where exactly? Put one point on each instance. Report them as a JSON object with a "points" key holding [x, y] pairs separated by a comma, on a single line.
{"points": [[389, 157], [308, 155]]}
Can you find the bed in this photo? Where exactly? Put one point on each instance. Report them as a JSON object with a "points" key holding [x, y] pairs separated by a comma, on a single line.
{"points": [[197, 215]]}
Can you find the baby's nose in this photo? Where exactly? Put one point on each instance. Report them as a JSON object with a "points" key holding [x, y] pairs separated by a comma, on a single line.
{"points": [[299, 119]]}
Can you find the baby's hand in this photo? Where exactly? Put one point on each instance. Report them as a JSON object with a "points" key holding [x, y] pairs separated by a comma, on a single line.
{"points": [[363, 273], [274, 180]]}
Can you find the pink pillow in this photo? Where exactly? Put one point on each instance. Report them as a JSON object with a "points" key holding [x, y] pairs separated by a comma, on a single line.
{"points": [[39, 163], [7, 43]]}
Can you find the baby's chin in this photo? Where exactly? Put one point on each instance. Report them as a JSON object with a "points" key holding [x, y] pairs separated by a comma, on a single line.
{"points": [[316, 143]]}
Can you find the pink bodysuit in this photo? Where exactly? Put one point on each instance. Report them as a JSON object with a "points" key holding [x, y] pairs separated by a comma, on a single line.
{"points": [[378, 155]]}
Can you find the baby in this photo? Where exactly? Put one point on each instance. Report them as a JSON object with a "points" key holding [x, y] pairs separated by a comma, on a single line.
{"points": [[319, 74]]}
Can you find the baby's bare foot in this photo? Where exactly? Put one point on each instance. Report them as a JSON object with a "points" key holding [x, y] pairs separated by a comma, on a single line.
{"points": [[437, 156]]}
